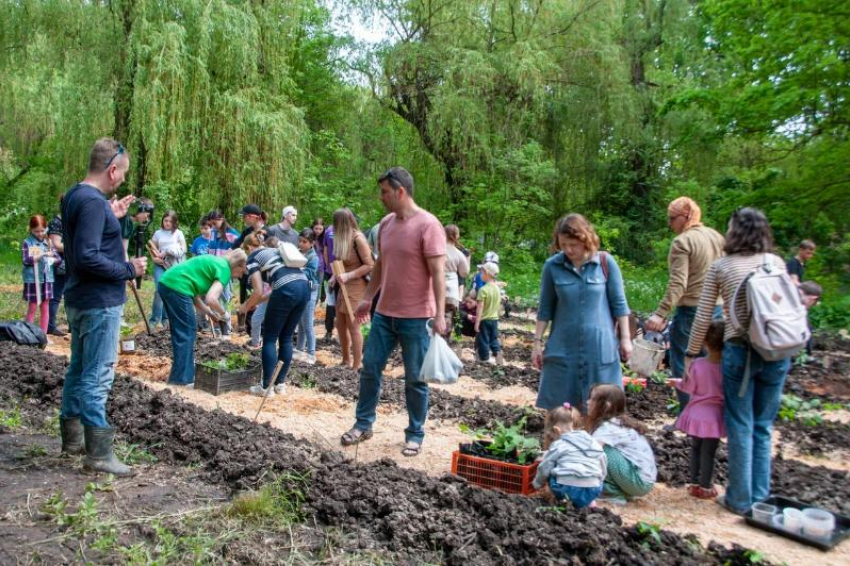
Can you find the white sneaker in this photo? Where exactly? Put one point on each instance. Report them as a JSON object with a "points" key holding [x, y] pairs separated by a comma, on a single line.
{"points": [[309, 360], [259, 391], [298, 355], [491, 360], [280, 389]]}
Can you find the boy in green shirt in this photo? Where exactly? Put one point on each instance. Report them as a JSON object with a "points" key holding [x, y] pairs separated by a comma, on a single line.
{"points": [[487, 318]]}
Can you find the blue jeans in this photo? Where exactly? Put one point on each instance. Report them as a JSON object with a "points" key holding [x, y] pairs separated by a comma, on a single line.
{"points": [[487, 339], [749, 421], [306, 329], [580, 496], [158, 314], [182, 326], [680, 334], [94, 351], [58, 291], [282, 315], [386, 332]]}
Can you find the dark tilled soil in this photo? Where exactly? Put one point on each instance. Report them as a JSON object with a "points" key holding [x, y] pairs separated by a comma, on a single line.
{"points": [[822, 439], [810, 484], [827, 377], [388, 507], [206, 347], [504, 376], [476, 413]]}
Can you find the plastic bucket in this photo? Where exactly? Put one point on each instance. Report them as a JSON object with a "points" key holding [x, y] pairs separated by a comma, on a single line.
{"points": [[646, 357]]}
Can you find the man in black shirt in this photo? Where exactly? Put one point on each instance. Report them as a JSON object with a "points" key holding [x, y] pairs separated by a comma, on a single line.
{"points": [[797, 265], [95, 292]]}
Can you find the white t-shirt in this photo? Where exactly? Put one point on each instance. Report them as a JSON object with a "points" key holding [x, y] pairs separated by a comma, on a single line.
{"points": [[172, 244]]}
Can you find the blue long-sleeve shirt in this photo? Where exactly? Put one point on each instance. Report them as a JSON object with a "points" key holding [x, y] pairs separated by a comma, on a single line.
{"points": [[94, 251]]}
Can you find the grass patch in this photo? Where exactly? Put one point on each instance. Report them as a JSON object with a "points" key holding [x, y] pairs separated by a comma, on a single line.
{"points": [[11, 418], [279, 502], [132, 454]]}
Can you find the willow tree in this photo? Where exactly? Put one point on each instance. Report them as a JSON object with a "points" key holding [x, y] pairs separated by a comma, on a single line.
{"points": [[534, 107], [199, 92]]}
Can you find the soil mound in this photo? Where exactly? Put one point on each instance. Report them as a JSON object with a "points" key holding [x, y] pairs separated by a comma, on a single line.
{"points": [[390, 508]]}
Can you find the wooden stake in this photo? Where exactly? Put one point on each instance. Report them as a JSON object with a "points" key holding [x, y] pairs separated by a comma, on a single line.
{"points": [[338, 269]]}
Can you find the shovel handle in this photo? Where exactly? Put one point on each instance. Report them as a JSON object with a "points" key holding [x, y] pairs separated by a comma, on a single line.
{"points": [[277, 370]]}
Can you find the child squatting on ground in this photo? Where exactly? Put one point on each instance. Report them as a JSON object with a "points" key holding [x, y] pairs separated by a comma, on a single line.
{"points": [[38, 259], [631, 464], [702, 419], [487, 318], [574, 463]]}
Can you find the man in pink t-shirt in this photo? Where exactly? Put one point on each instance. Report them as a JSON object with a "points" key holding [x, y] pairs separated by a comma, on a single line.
{"points": [[410, 275]]}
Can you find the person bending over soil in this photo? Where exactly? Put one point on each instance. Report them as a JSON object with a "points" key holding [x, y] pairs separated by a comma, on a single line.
{"points": [[197, 283], [290, 293]]}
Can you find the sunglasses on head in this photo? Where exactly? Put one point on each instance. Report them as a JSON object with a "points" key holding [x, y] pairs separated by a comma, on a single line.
{"points": [[117, 153]]}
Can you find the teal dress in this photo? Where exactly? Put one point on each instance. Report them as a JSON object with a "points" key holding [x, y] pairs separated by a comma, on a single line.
{"points": [[582, 349]]}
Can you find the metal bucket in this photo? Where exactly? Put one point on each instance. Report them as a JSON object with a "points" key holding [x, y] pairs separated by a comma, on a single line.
{"points": [[646, 357]]}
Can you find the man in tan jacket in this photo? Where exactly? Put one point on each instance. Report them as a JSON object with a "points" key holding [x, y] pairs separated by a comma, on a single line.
{"points": [[692, 252]]}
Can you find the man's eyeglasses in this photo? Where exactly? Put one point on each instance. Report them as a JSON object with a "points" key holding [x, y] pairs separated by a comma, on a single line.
{"points": [[111, 159]]}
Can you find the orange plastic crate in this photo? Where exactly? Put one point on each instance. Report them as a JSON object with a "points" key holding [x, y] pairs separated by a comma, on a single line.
{"points": [[492, 474]]}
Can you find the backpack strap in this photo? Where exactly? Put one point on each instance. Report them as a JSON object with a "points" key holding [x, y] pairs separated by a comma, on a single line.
{"points": [[733, 310], [603, 262]]}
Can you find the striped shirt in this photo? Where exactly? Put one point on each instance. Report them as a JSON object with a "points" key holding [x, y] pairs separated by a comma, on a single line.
{"points": [[270, 265], [722, 280]]}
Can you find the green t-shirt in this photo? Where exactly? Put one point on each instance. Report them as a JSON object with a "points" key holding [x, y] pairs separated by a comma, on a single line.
{"points": [[196, 276], [490, 295]]}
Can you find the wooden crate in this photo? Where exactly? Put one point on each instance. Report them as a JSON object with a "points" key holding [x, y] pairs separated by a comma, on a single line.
{"points": [[494, 474], [218, 381]]}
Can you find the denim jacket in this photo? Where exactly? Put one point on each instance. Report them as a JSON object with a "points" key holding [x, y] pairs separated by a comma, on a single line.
{"points": [[45, 271]]}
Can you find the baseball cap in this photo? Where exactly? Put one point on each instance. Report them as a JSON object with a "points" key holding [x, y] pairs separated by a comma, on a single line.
{"points": [[289, 210], [250, 209], [491, 268], [491, 257]]}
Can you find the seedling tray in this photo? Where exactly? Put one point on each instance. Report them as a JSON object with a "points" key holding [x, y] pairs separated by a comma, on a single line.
{"points": [[218, 381], [842, 524], [494, 474]]}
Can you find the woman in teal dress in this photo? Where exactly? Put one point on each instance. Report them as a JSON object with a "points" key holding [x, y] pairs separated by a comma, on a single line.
{"points": [[582, 295]]}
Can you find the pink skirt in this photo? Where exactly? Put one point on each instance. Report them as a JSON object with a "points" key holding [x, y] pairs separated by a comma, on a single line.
{"points": [[702, 420]]}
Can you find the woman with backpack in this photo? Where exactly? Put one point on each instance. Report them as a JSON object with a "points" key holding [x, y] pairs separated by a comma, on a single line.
{"points": [[752, 386], [581, 294]]}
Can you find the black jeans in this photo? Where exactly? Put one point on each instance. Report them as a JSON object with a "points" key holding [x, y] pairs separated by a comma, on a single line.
{"points": [[488, 339], [702, 460]]}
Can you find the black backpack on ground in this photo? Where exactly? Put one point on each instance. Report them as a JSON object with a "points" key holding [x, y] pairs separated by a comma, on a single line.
{"points": [[23, 333]]}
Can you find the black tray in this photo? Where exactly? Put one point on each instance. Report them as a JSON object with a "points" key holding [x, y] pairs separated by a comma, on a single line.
{"points": [[842, 524]]}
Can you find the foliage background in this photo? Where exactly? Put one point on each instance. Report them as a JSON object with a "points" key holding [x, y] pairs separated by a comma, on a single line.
{"points": [[508, 112]]}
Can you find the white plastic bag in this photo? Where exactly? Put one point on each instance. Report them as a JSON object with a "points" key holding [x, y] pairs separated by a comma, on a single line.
{"points": [[441, 365]]}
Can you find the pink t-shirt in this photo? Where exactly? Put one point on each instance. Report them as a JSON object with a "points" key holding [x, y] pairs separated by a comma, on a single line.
{"points": [[403, 249], [703, 415]]}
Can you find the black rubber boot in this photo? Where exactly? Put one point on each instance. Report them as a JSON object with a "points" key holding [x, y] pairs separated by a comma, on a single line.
{"points": [[99, 455], [71, 430]]}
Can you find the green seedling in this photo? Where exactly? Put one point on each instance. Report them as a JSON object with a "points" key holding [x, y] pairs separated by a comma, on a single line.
{"points": [[651, 533], [673, 406], [233, 362], [33, 451], [132, 454], [126, 331], [508, 441]]}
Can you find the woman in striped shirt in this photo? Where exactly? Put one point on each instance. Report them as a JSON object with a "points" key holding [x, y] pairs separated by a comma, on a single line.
{"points": [[290, 293], [752, 386]]}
